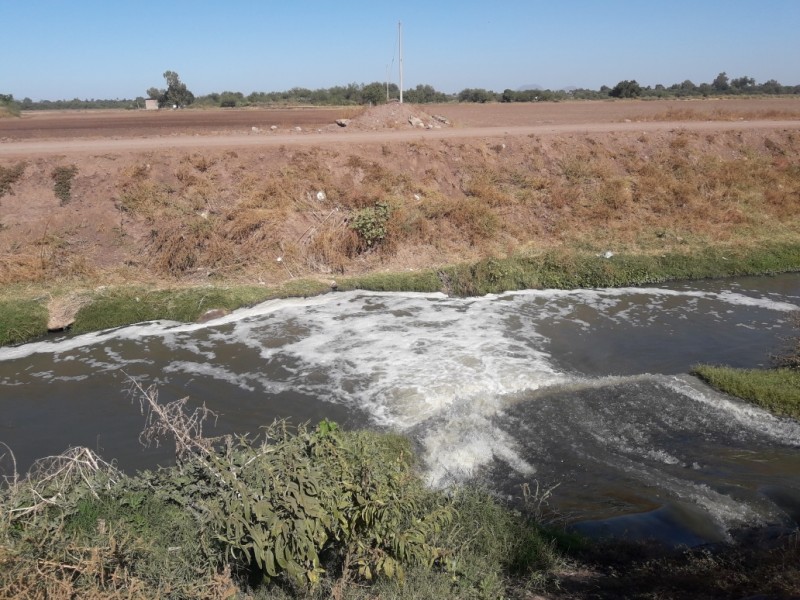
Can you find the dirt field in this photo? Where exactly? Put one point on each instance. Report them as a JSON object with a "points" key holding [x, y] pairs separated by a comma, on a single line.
{"points": [[176, 196], [114, 124]]}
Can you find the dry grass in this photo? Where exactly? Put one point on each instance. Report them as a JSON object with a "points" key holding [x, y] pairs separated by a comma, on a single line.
{"points": [[720, 114], [232, 216], [9, 176]]}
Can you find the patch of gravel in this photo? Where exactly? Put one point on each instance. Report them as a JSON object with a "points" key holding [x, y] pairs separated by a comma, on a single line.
{"points": [[396, 116]]}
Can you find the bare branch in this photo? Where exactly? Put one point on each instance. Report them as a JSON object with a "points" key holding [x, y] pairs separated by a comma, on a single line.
{"points": [[172, 420]]}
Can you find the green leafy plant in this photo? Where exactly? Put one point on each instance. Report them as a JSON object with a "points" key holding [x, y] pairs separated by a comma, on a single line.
{"points": [[370, 224]]}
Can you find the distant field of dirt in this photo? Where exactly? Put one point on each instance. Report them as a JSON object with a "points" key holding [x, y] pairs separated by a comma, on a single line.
{"points": [[118, 123]]}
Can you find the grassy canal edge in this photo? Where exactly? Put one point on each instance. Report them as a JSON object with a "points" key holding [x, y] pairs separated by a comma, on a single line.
{"points": [[26, 311]]}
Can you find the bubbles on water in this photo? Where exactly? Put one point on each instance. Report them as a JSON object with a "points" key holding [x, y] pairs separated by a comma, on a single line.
{"points": [[477, 381]]}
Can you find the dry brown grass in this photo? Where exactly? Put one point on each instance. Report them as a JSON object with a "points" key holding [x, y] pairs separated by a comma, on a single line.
{"points": [[720, 114], [581, 189], [234, 214]]}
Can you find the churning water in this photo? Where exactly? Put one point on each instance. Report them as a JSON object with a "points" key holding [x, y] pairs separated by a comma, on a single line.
{"points": [[585, 389]]}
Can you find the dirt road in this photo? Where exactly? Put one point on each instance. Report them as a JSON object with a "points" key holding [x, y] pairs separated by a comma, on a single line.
{"points": [[120, 131], [101, 145]]}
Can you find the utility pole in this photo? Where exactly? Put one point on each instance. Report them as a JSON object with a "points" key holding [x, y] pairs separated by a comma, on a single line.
{"points": [[400, 44]]}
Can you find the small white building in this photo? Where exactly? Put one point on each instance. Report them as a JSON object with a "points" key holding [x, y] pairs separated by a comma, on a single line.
{"points": [[151, 104]]}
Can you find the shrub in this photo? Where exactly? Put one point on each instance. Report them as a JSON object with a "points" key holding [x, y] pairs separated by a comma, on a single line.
{"points": [[9, 176], [311, 510], [62, 182], [370, 224]]}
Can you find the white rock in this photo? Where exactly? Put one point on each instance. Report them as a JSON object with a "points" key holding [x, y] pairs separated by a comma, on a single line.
{"points": [[321, 196]]}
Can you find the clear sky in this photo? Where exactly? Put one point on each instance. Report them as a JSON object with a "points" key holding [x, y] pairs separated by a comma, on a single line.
{"points": [[64, 49]]}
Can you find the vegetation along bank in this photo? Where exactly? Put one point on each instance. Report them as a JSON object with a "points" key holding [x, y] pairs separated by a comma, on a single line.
{"points": [[80, 234]]}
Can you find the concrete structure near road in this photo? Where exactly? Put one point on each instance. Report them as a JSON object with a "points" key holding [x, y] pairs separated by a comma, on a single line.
{"points": [[151, 104]]}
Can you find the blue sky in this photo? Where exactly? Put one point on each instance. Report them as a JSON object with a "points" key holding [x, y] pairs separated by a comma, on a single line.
{"points": [[63, 49]]}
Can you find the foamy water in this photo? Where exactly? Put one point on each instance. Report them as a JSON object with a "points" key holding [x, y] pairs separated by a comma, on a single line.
{"points": [[507, 384]]}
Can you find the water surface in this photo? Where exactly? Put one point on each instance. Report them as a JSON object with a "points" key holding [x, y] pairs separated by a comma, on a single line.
{"points": [[583, 389]]}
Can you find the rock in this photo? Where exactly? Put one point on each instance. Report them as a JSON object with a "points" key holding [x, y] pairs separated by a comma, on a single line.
{"points": [[343, 122], [62, 310], [210, 315], [273, 128], [255, 130], [416, 122], [321, 196], [441, 119], [298, 129]]}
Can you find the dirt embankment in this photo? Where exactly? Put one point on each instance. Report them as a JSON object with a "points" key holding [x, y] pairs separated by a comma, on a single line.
{"points": [[372, 199]]}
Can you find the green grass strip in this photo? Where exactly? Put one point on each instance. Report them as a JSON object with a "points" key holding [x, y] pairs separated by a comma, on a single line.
{"points": [[416, 281], [122, 306], [777, 390], [24, 320], [570, 270], [21, 321]]}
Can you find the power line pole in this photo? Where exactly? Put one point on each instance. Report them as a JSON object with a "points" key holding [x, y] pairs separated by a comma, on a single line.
{"points": [[400, 51]]}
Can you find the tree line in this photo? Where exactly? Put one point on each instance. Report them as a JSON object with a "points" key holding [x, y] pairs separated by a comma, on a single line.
{"points": [[176, 94]]}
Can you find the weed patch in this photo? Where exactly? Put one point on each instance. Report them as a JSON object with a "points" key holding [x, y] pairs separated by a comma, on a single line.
{"points": [[62, 182], [370, 224], [294, 513], [9, 176]]}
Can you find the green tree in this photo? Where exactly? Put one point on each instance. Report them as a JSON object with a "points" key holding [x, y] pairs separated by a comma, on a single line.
{"points": [[626, 89], [720, 83], [373, 93], [176, 93], [476, 95], [768, 87], [743, 84], [156, 94], [230, 99], [9, 105], [423, 94]]}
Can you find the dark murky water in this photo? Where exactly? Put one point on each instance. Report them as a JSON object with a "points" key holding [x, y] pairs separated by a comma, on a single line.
{"points": [[585, 389]]}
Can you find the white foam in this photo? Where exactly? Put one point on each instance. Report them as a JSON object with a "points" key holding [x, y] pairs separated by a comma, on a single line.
{"points": [[194, 368], [749, 416]]}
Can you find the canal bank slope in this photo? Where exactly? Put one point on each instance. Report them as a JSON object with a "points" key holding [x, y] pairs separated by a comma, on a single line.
{"points": [[389, 207]]}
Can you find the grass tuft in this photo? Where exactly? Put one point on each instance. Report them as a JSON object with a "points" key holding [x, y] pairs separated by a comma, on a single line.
{"points": [[777, 390], [21, 321]]}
